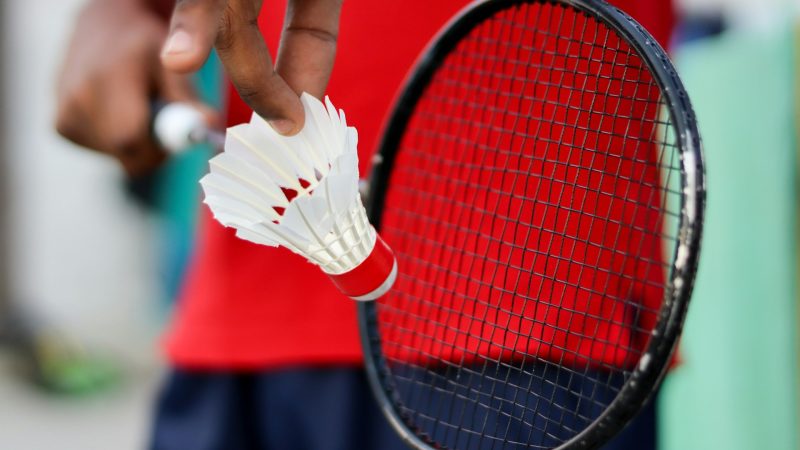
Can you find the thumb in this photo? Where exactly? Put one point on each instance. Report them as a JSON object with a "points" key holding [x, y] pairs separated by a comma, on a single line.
{"points": [[192, 32]]}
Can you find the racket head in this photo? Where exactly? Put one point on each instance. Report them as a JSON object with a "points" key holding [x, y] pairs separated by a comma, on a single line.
{"points": [[673, 133]]}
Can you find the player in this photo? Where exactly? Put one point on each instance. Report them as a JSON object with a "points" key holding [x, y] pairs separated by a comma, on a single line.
{"points": [[265, 351]]}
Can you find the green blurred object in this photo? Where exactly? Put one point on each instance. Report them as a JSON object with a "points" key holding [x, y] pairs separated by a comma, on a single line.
{"points": [[737, 385], [60, 366], [53, 361]]}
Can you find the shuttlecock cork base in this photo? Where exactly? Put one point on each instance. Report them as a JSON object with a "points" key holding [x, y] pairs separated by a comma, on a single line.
{"points": [[301, 192], [363, 282]]}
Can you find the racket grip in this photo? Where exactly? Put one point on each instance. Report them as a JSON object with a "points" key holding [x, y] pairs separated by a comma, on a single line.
{"points": [[372, 278]]}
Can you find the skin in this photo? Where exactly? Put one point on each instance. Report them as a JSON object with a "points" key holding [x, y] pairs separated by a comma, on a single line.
{"points": [[123, 54]]}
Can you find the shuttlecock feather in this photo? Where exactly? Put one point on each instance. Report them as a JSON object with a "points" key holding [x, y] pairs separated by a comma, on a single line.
{"points": [[301, 192]]}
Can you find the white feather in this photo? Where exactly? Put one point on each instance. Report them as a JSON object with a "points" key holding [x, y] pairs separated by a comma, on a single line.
{"points": [[324, 220], [230, 167]]}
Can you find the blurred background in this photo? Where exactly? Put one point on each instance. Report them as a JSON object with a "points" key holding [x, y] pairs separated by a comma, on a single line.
{"points": [[78, 367], [89, 263]]}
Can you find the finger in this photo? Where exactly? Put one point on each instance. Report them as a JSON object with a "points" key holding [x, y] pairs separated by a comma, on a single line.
{"points": [[106, 114], [72, 115], [113, 118], [130, 139], [244, 54], [141, 157], [308, 44], [192, 32]]}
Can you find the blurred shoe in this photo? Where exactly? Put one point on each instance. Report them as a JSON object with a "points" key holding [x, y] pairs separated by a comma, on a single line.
{"points": [[53, 361]]}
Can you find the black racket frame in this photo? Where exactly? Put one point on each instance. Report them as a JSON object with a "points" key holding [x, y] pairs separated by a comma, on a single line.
{"points": [[646, 377]]}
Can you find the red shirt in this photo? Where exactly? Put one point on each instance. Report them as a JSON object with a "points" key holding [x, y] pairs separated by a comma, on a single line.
{"points": [[251, 306]]}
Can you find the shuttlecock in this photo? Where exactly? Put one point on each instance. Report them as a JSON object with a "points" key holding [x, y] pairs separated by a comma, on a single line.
{"points": [[301, 192]]}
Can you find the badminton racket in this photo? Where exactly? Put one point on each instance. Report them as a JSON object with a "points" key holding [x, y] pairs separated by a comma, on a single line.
{"points": [[540, 181]]}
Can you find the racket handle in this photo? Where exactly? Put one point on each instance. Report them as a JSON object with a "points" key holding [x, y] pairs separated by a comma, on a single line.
{"points": [[178, 126]]}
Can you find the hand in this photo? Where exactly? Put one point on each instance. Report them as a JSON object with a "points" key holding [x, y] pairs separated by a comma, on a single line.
{"points": [[305, 57], [110, 76]]}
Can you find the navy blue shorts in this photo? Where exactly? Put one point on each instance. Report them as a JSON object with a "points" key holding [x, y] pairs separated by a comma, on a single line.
{"points": [[295, 409]]}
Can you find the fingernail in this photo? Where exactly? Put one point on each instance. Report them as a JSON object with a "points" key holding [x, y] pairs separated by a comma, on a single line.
{"points": [[282, 126], [179, 42]]}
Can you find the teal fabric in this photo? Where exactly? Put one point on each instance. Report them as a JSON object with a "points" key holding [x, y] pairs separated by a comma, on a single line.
{"points": [[736, 388], [178, 193]]}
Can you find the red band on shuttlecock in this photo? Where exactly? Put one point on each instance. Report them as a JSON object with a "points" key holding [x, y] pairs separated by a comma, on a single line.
{"points": [[372, 278]]}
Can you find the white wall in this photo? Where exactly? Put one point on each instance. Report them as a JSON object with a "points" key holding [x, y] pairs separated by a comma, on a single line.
{"points": [[82, 255]]}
